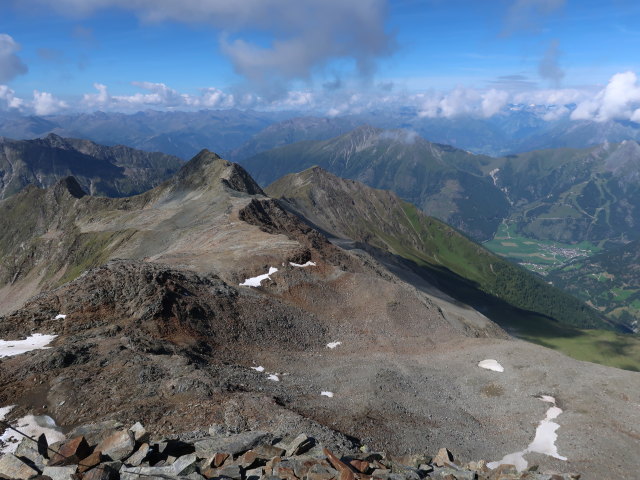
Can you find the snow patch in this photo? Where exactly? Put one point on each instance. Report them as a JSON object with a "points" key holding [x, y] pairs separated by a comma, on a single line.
{"points": [[544, 441], [491, 364], [333, 345], [33, 426], [60, 316], [4, 411], [256, 281], [37, 341], [302, 265], [273, 377], [327, 394], [258, 369]]}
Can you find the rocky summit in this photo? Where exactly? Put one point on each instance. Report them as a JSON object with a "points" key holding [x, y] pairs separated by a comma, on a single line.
{"points": [[204, 301], [110, 451]]}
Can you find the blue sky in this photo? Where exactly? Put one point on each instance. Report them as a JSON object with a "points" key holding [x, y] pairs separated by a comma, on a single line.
{"points": [[58, 55]]}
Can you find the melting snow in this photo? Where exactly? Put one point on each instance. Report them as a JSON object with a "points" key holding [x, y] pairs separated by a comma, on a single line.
{"points": [[333, 344], [544, 442], [258, 369], [273, 377], [32, 426], [255, 281], [37, 341], [60, 317], [302, 265], [491, 364], [327, 394], [4, 411]]}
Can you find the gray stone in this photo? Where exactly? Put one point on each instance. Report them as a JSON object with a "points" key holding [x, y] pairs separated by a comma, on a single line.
{"points": [[230, 471], [118, 446], [13, 467], [34, 453], [137, 458], [138, 473], [60, 473], [95, 432], [185, 465], [233, 444], [298, 445], [139, 433], [254, 474]]}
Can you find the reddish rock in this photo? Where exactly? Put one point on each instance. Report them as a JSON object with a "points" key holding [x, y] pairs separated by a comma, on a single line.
{"points": [[71, 452], [89, 462], [101, 472], [360, 465], [342, 468]]}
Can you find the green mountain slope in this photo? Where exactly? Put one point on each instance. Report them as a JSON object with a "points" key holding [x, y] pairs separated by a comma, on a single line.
{"points": [[109, 171], [570, 195], [349, 209], [445, 182], [609, 280]]}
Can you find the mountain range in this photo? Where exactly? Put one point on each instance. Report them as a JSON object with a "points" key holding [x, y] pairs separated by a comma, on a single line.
{"points": [[206, 300], [241, 134], [112, 171]]}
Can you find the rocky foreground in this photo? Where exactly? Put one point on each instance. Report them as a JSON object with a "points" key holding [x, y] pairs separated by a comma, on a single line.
{"points": [[107, 451]]}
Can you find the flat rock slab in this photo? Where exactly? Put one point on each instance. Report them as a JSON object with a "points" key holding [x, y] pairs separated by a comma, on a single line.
{"points": [[13, 467], [60, 473], [233, 444]]}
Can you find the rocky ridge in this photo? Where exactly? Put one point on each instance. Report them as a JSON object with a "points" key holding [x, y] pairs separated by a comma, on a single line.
{"points": [[109, 451]]}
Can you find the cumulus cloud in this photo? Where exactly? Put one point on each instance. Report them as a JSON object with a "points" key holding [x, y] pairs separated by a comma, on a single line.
{"points": [[305, 35], [619, 100], [10, 65], [463, 101], [529, 15], [8, 99], [158, 95], [45, 103], [549, 66]]}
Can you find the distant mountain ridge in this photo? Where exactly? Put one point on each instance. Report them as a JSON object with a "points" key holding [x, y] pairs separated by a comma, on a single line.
{"points": [[350, 210], [112, 171], [444, 181]]}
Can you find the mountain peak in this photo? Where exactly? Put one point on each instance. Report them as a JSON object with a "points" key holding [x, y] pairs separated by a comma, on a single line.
{"points": [[207, 166]]}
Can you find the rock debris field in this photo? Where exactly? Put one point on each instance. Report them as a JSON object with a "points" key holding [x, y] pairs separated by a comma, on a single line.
{"points": [[109, 451]]}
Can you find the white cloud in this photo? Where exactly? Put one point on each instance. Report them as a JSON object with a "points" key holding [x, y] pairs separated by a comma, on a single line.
{"points": [[305, 35], [462, 101], [45, 103], [101, 99], [10, 65], [619, 100], [8, 99]]}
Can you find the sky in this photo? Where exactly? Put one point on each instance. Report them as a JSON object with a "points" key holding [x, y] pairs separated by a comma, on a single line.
{"points": [[443, 57]]}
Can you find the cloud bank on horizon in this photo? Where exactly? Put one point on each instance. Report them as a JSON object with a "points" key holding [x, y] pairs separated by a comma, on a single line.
{"points": [[281, 50]]}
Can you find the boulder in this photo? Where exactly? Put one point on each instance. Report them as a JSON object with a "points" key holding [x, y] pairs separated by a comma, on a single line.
{"points": [[443, 458], [89, 462], [140, 454], [71, 452], [185, 465], [299, 445], [12, 467], [118, 446], [233, 444], [66, 472], [140, 434], [34, 453]]}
